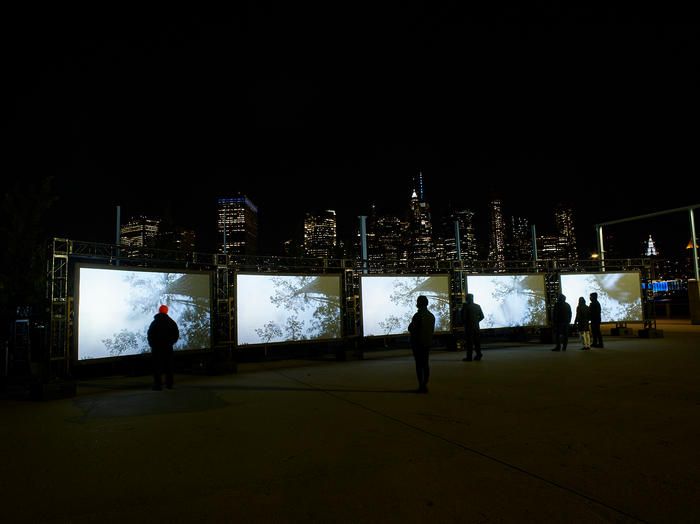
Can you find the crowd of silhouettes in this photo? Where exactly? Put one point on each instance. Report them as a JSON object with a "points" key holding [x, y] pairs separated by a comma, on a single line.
{"points": [[163, 333]]}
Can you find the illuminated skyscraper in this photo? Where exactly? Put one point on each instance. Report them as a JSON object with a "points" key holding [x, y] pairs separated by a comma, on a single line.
{"points": [[390, 231], [467, 237], [140, 232], [320, 234], [385, 235], [497, 240], [564, 219], [419, 187], [520, 244], [421, 251], [237, 226], [650, 248], [547, 247]]}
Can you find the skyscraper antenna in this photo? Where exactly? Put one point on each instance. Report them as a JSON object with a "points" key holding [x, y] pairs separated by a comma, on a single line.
{"points": [[418, 186]]}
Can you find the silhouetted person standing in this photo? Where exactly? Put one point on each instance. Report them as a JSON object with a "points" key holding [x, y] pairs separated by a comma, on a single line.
{"points": [[561, 318], [162, 335], [421, 328], [596, 335], [471, 316], [583, 317]]}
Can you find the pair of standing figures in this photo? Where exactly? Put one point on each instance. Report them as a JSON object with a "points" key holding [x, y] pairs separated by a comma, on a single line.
{"points": [[588, 319], [422, 328]]}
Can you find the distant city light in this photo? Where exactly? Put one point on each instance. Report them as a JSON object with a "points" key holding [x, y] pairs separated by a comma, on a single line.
{"points": [[651, 250]]}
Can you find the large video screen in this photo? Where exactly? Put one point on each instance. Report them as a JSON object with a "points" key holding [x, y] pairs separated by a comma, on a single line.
{"points": [[115, 307], [509, 300], [389, 302], [281, 308], [619, 294]]}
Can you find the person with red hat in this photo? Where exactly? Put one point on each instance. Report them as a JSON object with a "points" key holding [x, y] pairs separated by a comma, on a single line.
{"points": [[162, 335]]}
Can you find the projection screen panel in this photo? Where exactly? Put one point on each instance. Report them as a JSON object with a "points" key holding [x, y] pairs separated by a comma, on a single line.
{"points": [[389, 302], [115, 307], [619, 294], [282, 308], [510, 300]]}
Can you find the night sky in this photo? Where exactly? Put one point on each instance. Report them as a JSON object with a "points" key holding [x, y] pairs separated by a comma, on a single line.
{"points": [[303, 109]]}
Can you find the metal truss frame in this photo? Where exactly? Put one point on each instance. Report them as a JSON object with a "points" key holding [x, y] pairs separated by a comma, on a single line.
{"points": [[65, 252]]}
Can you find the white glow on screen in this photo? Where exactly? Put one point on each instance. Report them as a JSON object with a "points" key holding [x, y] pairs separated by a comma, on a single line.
{"points": [[619, 294], [509, 300], [281, 308], [389, 302], [116, 307]]}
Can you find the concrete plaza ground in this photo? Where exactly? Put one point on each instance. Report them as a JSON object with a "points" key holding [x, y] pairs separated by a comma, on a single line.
{"points": [[526, 435]]}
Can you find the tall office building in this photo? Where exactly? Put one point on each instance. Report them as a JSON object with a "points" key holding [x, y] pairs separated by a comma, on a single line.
{"points": [[467, 238], [385, 239], [650, 248], [138, 233], [439, 243], [497, 239], [421, 251], [564, 219], [320, 234], [389, 234], [419, 187], [520, 247], [547, 247], [237, 224], [176, 238]]}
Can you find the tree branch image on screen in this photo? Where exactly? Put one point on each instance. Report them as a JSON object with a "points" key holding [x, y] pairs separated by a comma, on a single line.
{"points": [[286, 308], [389, 302], [116, 306], [510, 300], [619, 294]]}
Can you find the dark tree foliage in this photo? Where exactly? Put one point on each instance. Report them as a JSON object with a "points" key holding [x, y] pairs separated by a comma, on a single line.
{"points": [[23, 237]]}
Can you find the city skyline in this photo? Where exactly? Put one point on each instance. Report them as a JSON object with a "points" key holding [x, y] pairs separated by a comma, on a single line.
{"points": [[165, 116], [442, 227], [282, 215]]}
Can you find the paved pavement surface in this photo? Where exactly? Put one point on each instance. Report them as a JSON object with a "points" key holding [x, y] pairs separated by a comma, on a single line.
{"points": [[525, 435]]}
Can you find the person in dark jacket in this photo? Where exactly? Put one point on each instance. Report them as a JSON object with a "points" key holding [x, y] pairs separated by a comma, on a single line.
{"points": [[561, 318], [582, 321], [162, 335], [596, 335], [471, 316], [421, 328]]}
